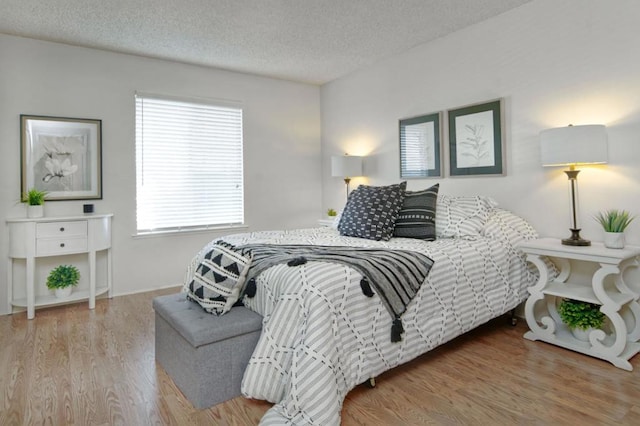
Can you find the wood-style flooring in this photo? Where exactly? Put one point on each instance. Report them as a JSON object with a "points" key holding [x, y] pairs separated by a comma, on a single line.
{"points": [[72, 366]]}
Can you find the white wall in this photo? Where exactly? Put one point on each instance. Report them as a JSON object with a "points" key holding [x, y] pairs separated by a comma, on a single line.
{"points": [[281, 134], [554, 62]]}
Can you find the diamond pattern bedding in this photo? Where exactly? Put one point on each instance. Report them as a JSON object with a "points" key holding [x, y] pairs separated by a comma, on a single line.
{"points": [[322, 336]]}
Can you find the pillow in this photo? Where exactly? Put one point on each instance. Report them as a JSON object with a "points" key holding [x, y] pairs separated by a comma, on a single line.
{"points": [[371, 211], [417, 217], [336, 220], [462, 217], [218, 279], [506, 226]]}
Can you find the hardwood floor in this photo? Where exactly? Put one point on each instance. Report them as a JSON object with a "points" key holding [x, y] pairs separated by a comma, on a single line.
{"points": [[72, 366]]}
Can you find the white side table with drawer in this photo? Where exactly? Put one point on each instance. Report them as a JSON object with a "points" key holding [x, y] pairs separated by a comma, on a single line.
{"points": [[30, 239]]}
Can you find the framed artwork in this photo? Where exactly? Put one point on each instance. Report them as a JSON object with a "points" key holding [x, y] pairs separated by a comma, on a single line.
{"points": [[421, 146], [476, 140], [62, 156]]}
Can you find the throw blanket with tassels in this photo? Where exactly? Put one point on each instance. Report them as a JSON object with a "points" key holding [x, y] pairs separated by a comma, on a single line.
{"points": [[395, 275]]}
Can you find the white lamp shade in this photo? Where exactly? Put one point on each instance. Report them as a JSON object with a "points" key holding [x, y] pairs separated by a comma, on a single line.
{"points": [[346, 166], [574, 145]]}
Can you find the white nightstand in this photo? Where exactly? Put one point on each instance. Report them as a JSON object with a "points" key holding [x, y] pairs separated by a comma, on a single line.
{"points": [[618, 300], [325, 222]]}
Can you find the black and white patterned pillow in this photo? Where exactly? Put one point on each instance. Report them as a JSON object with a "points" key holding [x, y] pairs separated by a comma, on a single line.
{"points": [[218, 279], [462, 217], [371, 211], [417, 217]]}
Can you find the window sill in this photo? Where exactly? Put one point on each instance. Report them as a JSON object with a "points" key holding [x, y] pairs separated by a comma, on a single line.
{"points": [[189, 231]]}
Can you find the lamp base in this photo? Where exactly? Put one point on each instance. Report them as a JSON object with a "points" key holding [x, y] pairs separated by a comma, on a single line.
{"points": [[346, 182], [575, 239]]}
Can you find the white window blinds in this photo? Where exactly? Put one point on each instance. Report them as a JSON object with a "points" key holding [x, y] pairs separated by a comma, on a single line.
{"points": [[188, 165], [416, 152], [420, 146]]}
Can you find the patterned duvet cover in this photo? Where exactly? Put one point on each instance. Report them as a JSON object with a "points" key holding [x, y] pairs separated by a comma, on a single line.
{"points": [[322, 336]]}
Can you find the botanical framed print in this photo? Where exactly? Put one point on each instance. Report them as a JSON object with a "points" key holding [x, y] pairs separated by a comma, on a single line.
{"points": [[62, 156], [476, 141], [421, 146]]}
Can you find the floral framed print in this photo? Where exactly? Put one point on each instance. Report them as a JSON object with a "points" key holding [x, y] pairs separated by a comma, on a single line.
{"points": [[420, 147], [62, 156], [476, 140]]}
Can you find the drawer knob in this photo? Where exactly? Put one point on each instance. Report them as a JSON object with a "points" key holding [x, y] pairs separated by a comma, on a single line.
{"points": [[62, 229], [61, 244]]}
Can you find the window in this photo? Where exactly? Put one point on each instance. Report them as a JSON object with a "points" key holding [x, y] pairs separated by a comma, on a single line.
{"points": [[188, 165]]}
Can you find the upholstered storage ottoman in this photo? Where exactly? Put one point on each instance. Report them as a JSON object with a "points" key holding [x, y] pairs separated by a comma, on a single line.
{"points": [[204, 354]]}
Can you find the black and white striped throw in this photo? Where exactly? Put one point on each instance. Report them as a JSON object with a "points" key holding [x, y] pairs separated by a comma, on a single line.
{"points": [[395, 275]]}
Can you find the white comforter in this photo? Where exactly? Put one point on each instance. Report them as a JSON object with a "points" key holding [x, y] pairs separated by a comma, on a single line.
{"points": [[322, 336]]}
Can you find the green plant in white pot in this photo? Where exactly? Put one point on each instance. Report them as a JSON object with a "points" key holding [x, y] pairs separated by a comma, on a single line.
{"points": [[581, 317], [62, 278], [614, 222], [35, 202]]}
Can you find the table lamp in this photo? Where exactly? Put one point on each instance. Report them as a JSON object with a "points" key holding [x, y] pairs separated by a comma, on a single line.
{"points": [[572, 146], [346, 167]]}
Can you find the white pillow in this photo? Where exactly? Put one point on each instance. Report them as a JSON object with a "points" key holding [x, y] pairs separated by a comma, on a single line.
{"points": [[504, 225], [462, 217], [336, 220]]}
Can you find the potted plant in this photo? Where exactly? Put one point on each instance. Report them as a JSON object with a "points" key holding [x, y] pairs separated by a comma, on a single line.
{"points": [[614, 222], [581, 317], [35, 202], [62, 278], [332, 213]]}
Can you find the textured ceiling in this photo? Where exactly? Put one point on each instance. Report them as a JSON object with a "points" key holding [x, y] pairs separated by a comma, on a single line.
{"points": [[313, 41]]}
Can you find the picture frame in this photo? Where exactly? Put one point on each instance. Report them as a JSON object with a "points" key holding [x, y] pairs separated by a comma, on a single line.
{"points": [[421, 146], [62, 156], [476, 140]]}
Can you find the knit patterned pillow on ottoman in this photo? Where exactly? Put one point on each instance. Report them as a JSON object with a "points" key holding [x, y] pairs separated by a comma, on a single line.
{"points": [[218, 279]]}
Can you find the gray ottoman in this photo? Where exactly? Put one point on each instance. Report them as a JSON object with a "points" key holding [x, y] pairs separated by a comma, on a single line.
{"points": [[204, 354]]}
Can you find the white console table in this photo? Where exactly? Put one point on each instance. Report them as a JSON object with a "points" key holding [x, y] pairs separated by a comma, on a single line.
{"points": [[30, 239], [617, 299]]}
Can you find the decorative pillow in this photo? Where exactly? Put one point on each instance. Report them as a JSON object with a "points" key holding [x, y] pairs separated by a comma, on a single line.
{"points": [[218, 279], [417, 217], [371, 211], [462, 217]]}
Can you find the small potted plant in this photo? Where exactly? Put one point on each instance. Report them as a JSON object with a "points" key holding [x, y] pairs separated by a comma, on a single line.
{"points": [[331, 213], [614, 222], [62, 278], [581, 317], [35, 202]]}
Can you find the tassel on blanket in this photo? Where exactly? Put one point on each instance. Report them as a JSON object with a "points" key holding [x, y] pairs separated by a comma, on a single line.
{"points": [[250, 289], [396, 330], [366, 288], [297, 261]]}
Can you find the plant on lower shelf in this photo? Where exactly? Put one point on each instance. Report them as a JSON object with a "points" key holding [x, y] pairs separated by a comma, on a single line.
{"points": [[63, 276], [582, 315]]}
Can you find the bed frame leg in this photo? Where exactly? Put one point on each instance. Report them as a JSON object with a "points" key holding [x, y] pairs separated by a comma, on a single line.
{"points": [[371, 383], [513, 317]]}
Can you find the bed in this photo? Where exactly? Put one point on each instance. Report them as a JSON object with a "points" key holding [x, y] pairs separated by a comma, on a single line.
{"points": [[322, 335]]}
